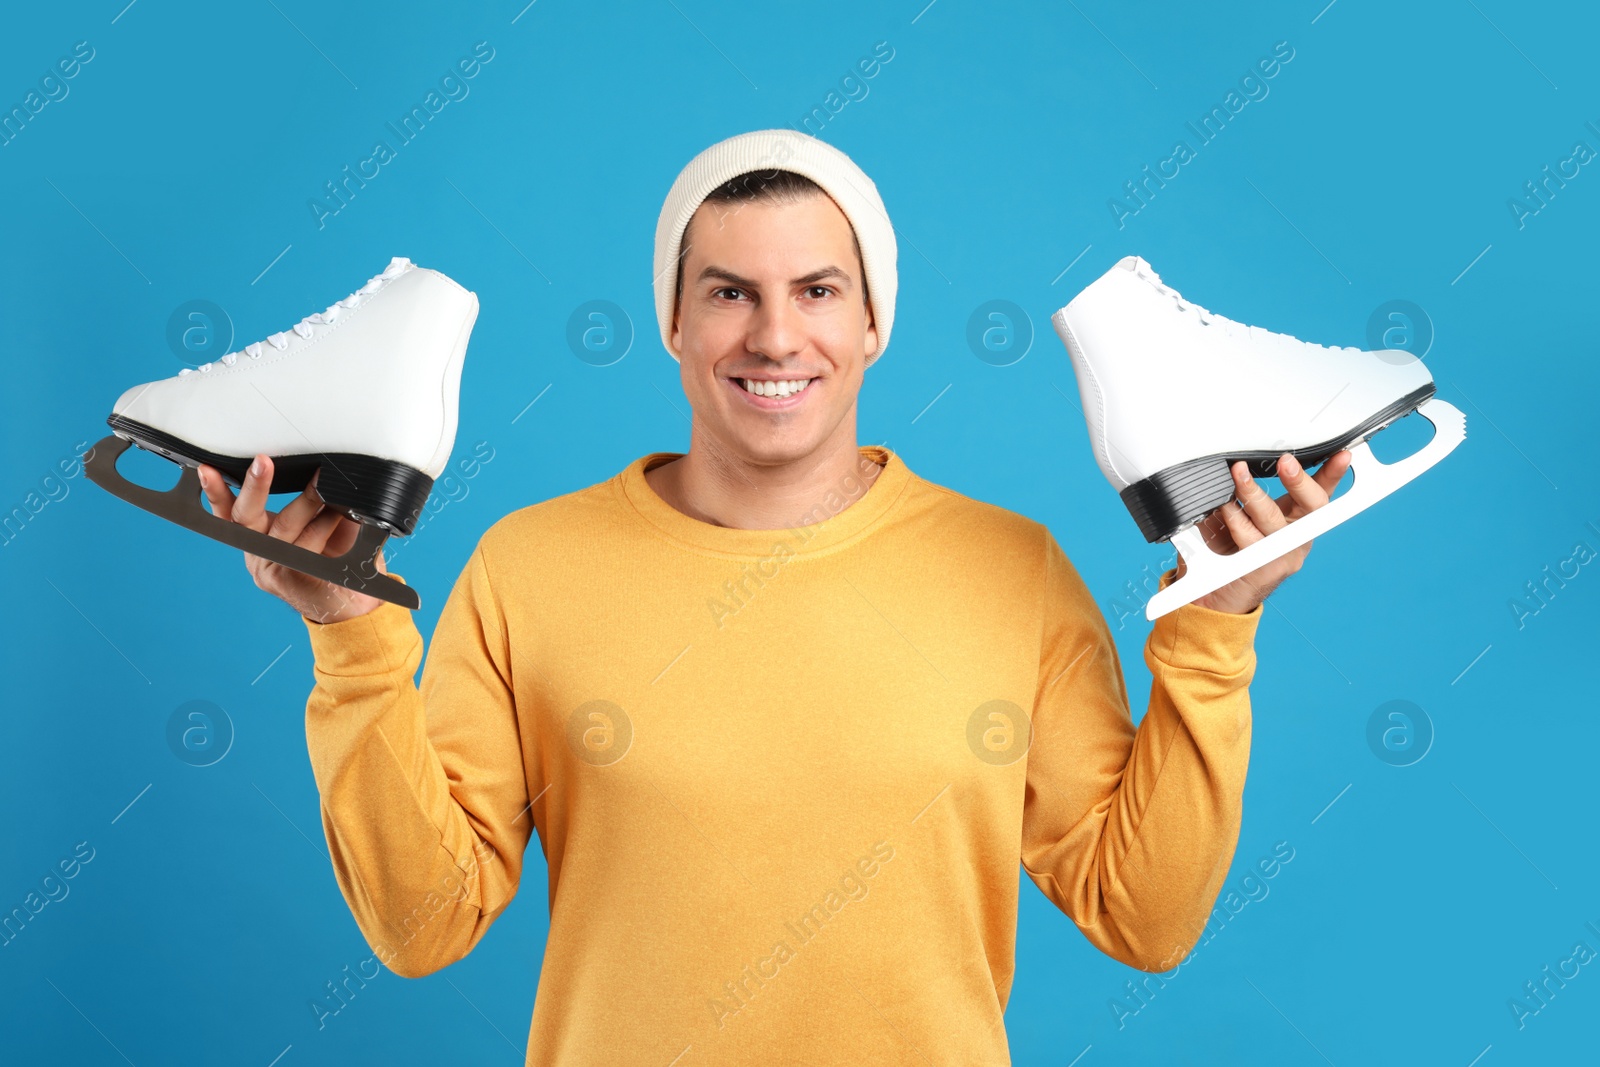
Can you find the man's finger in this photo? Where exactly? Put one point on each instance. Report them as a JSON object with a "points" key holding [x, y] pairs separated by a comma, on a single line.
{"points": [[1305, 492], [1258, 504], [314, 537], [343, 537], [1243, 531], [216, 490], [250, 509], [297, 515], [1331, 471]]}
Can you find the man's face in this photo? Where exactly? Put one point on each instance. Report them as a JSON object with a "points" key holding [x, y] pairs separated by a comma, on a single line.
{"points": [[773, 292]]}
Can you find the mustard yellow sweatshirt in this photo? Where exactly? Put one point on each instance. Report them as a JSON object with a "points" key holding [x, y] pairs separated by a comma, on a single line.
{"points": [[783, 780]]}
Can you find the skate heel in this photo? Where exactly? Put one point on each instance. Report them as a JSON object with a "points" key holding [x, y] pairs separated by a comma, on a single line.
{"points": [[380, 492], [1169, 500]]}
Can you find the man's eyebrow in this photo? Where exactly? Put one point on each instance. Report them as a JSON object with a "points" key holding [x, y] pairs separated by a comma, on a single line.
{"points": [[815, 276]]}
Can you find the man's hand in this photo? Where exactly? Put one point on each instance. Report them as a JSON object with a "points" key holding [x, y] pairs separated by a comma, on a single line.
{"points": [[1254, 515], [304, 521]]}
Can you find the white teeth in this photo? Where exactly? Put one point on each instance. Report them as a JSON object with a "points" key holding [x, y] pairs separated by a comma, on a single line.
{"points": [[777, 389]]}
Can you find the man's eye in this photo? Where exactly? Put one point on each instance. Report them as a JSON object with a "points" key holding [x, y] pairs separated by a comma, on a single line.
{"points": [[818, 291], [727, 293]]}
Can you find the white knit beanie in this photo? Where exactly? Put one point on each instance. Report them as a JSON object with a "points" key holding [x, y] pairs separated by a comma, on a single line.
{"points": [[766, 150]]}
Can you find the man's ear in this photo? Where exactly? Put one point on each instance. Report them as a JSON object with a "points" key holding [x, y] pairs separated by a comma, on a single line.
{"points": [[872, 331], [677, 328]]}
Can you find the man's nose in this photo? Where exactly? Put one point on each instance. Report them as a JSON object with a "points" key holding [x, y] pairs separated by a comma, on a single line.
{"points": [[776, 330]]}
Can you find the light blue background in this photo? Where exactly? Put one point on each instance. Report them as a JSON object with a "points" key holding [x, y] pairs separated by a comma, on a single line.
{"points": [[1378, 167]]}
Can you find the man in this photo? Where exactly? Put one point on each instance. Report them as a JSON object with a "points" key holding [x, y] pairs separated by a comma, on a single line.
{"points": [[784, 715]]}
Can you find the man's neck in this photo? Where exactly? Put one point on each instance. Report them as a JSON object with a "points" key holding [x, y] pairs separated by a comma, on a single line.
{"points": [[715, 487]]}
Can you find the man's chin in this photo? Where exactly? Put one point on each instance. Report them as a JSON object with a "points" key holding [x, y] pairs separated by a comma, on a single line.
{"points": [[768, 447]]}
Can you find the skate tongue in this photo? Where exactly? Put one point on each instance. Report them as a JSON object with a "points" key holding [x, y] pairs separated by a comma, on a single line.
{"points": [[397, 264]]}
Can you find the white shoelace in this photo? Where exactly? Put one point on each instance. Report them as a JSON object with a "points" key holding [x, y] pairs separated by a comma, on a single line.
{"points": [[302, 329], [1255, 333], [1206, 317]]}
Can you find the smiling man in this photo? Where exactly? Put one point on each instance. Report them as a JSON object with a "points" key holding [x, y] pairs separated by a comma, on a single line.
{"points": [[772, 319], [790, 828]]}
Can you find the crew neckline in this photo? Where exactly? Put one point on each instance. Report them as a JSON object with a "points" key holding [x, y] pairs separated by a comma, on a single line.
{"points": [[832, 531]]}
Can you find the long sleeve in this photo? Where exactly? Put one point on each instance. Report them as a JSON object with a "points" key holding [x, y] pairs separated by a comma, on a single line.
{"points": [[1131, 832], [424, 801]]}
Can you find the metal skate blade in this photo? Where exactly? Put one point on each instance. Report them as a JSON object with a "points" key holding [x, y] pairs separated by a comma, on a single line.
{"points": [[355, 570], [1206, 571]]}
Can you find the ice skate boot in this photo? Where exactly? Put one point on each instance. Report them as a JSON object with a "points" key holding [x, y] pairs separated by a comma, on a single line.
{"points": [[1174, 394], [366, 391]]}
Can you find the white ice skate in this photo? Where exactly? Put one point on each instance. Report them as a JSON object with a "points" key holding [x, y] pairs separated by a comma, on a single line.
{"points": [[366, 391], [1174, 395]]}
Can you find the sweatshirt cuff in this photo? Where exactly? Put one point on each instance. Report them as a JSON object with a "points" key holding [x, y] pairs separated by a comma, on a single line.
{"points": [[1199, 638], [374, 643]]}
